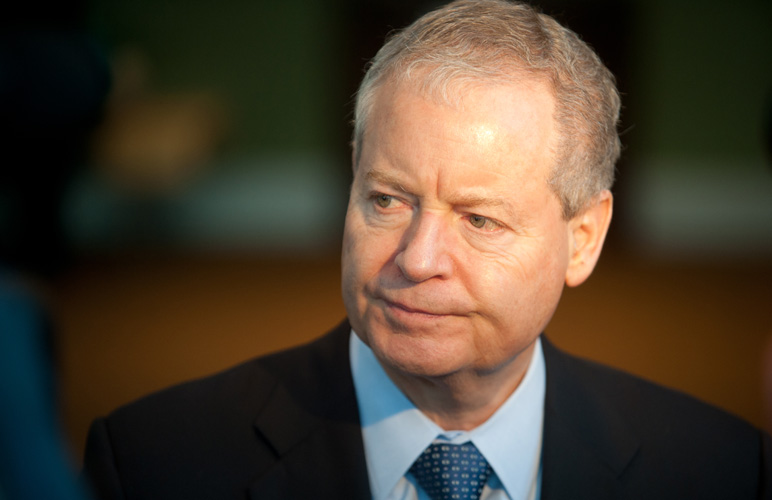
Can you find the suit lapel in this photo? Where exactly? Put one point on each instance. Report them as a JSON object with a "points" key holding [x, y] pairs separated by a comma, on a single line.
{"points": [[317, 437], [587, 444]]}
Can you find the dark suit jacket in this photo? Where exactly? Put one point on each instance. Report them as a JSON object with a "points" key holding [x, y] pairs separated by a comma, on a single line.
{"points": [[286, 426]]}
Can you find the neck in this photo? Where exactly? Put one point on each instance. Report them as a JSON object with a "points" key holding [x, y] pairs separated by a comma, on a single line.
{"points": [[465, 399]]}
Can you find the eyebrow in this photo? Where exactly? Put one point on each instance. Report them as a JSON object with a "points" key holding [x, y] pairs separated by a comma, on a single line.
{"points": [[470, 200], [465, 200], [388, 179]]}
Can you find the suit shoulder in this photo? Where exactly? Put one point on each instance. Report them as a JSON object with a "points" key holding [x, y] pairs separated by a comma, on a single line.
{"points": [[650, 403], [238, 390], [152, 447], [157, 446], [667, 422], [643, 430]]}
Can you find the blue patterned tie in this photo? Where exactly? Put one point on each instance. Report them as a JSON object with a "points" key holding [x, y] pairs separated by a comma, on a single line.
{"points": [[451, 471]]}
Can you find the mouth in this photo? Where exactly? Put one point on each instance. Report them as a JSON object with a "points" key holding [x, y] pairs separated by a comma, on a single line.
{"points": [[410, 310], [402, 309]]}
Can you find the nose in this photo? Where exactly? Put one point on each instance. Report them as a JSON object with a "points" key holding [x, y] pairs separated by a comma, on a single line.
{"points": [[424, 252]]}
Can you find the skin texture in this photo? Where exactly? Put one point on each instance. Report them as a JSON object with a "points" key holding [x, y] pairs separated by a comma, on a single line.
{"points": [[455, 250]]}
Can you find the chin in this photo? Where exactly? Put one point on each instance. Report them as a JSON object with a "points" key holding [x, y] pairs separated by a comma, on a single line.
{"points": [[422, 356]]}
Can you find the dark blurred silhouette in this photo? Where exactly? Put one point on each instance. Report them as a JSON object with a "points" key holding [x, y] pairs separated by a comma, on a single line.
{"points": [[34, 461], [53, 82]]}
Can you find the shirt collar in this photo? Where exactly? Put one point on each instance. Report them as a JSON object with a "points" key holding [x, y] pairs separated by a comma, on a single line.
{"points": [[395, 432]]}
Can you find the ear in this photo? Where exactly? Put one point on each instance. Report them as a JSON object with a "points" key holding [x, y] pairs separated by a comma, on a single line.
{"points": [[587, 234]]}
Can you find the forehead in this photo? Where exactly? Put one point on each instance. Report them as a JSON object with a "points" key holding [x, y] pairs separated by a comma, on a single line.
{"points": [[510, 123]]}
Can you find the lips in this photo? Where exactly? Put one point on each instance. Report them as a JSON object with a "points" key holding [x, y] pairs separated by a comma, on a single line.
{"points": [[412, 310], [422, 307], [417, 302]]}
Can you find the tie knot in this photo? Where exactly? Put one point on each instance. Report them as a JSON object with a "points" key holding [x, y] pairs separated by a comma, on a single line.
{"points": [[451, 471]]}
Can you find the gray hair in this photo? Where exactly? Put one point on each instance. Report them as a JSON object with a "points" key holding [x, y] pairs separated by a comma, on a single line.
{"points": [[498, 41]]}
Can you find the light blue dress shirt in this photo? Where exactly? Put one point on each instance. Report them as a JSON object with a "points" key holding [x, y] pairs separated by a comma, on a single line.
{"points": [[395, 432]]}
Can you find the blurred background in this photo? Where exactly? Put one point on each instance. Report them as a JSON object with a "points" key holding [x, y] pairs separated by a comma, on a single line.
{"points": [[176, 174]]}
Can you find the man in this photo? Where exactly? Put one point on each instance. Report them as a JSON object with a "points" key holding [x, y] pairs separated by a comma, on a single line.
{"points": [[484, 149]]}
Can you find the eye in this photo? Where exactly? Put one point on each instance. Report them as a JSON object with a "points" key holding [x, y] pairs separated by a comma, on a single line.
{"points": [[482, 222], [386, 200], [477, 221], [383, 200]]}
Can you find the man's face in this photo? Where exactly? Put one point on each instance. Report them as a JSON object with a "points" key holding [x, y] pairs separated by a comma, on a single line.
{"points": [[455, 250]]}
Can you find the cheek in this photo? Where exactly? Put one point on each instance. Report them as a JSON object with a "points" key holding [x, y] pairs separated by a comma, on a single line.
{"points": [[351, 275], [513, 286], [350, 255], [365, 252], [371, 237]]}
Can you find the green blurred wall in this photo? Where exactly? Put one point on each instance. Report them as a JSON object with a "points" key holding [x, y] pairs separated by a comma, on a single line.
{"points": [[275, 62]]}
